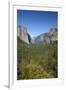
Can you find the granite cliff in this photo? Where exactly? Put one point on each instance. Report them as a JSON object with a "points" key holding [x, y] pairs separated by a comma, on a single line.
{"points": [[23, 34]]}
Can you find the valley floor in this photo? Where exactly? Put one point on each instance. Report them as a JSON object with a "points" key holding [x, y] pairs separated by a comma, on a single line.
{"points": [[37, 61]]}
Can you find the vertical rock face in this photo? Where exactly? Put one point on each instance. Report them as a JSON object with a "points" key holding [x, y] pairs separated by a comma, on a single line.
{"points": [[22, 34]]}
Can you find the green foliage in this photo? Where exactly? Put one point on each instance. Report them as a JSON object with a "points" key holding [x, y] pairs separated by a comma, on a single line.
{"points": [[33, 71], [36, 61]]}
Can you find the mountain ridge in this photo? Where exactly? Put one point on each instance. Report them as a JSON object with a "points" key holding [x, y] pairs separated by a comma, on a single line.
{"points": [[48, 37], [44, 38]]}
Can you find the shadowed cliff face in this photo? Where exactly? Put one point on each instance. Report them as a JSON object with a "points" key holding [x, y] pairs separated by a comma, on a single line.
{"points": [[29, 38], [23, 34]]}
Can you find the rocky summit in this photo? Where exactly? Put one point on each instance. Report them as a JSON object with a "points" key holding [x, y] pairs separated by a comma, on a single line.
{"points": [[46, 38]]}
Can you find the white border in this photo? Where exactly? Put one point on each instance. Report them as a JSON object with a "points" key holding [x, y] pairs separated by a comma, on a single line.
{"points": [[13, 82]]}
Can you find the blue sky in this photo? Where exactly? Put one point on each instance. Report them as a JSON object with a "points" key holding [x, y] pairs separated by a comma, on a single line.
{"points": [[37, 22]]}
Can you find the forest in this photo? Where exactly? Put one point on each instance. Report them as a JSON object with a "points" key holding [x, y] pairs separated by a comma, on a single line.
{"points": [[37, 61]]}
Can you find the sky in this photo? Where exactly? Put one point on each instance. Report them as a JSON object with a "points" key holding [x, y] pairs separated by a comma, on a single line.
{"points": [[37, 22]]}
